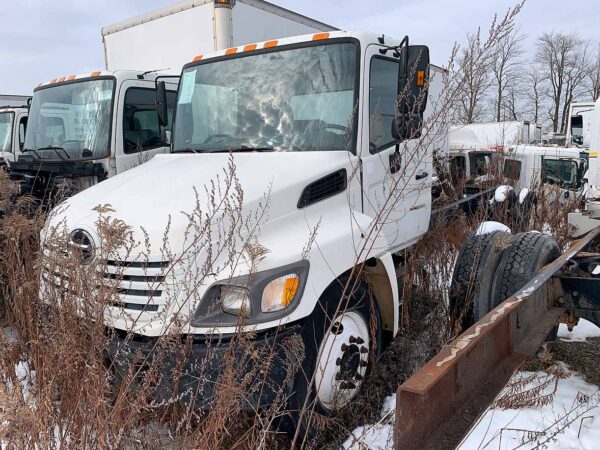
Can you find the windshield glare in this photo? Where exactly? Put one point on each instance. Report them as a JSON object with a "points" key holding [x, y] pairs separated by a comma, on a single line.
{"points": [[6, 127], [71, 121], [296, 99]]}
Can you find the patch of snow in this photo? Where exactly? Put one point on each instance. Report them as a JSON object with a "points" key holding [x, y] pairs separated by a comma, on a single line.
{"points": [[596, 270], [501, 193], [574, 407], [379, 436], [523, 195], [491, 226], [582, 331]]}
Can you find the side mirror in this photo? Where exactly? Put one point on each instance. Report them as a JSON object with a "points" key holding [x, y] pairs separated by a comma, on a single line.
{"points": [[161, 104], [413, 84]]}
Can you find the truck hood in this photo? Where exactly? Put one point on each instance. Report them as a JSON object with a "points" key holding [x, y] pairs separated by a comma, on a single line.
{"points": [[157, 197]]}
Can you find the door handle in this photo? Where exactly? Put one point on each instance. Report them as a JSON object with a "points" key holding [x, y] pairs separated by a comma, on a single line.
{"points": [[421, 175]]}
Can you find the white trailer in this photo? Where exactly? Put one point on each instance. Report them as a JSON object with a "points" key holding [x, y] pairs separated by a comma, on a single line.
{"points": [[177, 33]]}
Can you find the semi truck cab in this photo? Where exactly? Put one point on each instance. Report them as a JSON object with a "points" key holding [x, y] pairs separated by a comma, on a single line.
{"points": [[85, 128]]}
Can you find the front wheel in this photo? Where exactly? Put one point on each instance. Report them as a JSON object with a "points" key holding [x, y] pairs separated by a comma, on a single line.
{"points": [[341, 340]]}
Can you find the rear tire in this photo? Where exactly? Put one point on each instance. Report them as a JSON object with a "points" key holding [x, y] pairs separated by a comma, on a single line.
{"points": [[470, 291], [527, 254]]}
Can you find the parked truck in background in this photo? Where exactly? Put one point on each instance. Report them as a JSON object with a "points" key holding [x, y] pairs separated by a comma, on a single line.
{"points": [[579, 123], [296, 117], [13, 124], [170, 36], [88, 127]]}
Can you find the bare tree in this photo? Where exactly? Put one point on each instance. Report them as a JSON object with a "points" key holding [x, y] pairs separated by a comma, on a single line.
{"points": [[474, 65], [505, 67], [563, 60], [533, 93], [594, 76]]}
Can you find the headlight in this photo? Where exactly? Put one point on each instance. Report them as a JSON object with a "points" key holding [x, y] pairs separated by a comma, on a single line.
{"points": [[280, 292], [259, 297], [236, 300]]}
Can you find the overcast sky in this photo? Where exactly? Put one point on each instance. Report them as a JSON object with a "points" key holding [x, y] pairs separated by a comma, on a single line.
{"points": [[43, 39]]}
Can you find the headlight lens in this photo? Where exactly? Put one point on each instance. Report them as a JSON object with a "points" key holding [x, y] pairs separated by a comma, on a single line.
{"points": [[280, 292], [236, 300]]}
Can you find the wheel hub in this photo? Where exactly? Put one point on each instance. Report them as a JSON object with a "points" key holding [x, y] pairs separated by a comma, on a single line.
{"points": [[343, 360]]}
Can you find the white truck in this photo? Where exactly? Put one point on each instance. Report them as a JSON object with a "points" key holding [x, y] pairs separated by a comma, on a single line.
{"points": [[579, 124], [88, 127], [13, 124], [311, 129]]}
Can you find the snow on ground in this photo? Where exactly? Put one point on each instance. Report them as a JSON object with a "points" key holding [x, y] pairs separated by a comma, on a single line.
{"points": [[583, 330], [571, 421], [378, 436]]}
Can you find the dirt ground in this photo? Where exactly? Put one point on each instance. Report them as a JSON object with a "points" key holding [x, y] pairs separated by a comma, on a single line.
{"points": [[583, 357]]}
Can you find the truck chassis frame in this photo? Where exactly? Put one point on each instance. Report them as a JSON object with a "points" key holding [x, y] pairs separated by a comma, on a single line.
{"points": [[437, 406]]}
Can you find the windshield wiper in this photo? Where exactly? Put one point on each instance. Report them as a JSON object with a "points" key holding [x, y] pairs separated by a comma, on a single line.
{"points": [[244, 148], [185, 150], [57, 150]]}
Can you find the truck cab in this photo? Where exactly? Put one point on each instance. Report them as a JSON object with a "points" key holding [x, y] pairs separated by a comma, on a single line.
{"points": [[579, 124], [530, 167], [316, 152], [13, 123], [83, 129]]}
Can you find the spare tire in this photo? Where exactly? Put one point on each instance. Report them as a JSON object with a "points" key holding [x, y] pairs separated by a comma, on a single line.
{"points": [[526, 255], [470, 291]]}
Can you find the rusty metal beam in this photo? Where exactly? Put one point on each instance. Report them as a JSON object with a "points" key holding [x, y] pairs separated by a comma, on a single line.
{"points": [[438, 404]]}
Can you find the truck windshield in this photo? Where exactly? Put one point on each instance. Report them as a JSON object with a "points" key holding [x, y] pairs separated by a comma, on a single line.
{"points": [[300, 99], [562, 172], [6, 127], [71, 121]]}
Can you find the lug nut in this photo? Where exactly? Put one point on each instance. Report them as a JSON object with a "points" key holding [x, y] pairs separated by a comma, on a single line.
{"points": [[364, 349], [338, 376], [358, 377], [338, 362], [360, 340], [353, 340], [344, 347]]}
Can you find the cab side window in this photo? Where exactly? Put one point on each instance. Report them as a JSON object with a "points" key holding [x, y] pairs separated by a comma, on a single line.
{"points": [[383, 95], [512, 169], [22, 129], [141, 129]]}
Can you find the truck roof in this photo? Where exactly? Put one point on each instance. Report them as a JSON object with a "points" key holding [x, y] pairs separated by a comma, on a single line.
{"points": [[188, 4], [13, 101], [537, 150], [122, 74], [360, 35]]}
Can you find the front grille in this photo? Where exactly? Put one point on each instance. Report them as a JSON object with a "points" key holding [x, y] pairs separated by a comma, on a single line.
{"points": [[139, 285]]}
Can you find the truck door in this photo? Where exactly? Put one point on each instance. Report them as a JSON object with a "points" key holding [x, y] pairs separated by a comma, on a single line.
{"points": [[396, 178], [138, 136]]}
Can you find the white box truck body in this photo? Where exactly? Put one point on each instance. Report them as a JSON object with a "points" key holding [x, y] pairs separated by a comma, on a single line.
{"points": [[172, 36]]}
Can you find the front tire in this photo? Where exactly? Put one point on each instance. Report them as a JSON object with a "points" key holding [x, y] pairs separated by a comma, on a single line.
{"points": [[342, 340]]}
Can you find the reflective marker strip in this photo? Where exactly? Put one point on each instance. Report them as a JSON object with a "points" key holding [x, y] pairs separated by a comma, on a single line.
{"points": [[249, 48], [95, 74], [592, 154], [197, 58], [270, 44]]}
